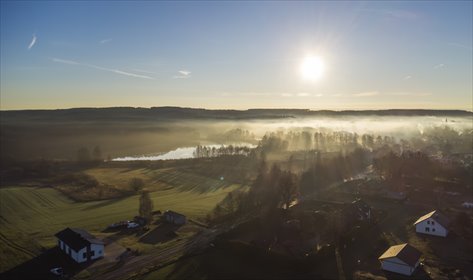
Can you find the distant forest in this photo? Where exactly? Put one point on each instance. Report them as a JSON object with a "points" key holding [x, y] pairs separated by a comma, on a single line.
{"points": [[156, 113]]}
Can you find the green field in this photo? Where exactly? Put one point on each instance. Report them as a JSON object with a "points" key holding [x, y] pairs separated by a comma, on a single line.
{"points": [[29, 217], [158, 179]]}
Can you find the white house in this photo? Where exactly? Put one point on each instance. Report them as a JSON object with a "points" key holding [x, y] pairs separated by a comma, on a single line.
{"points": [[80, 245], [433, 223], [402, 259], [467, 204]]}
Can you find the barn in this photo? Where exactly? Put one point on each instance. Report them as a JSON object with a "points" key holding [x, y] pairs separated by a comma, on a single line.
{"points": [[174, 217], [80, 245], [402, 259], [433, 223]]}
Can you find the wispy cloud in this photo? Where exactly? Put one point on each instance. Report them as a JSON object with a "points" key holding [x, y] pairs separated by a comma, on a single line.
{"points": [[272, 94], [104, 41], [65, 61], [33, 42], [143, 71], [183, 74], [116, 71], [458, 45], [408, 77], [409, 94], [438, 66], [398, 14], [366, 94]]}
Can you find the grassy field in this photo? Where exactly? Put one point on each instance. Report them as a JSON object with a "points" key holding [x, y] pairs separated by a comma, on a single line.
{"points": [[29, 217], [158, 179]]}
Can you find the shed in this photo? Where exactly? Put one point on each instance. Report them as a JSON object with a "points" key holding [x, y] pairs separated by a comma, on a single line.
{"points": [[174, 217], [402, 259]]}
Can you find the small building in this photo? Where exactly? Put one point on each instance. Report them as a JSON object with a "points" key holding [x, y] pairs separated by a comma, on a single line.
{"points": [[433, 223], [80, 245], [174, 217], [402, 259], [467, 204]]}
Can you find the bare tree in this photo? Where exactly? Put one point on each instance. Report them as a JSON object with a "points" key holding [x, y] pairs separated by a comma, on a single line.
{"points": [[146, 206], [97, 154], [136, 184], [83, 154]]}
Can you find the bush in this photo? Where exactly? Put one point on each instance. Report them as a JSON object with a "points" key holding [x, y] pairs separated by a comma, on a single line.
{"points": [[136, 184]]}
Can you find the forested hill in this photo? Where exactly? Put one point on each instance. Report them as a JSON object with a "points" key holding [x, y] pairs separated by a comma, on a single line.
{"points": [[167, 113]]}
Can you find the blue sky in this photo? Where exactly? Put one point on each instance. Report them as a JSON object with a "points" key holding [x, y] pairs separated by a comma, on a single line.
{"points": [[236, 54]]}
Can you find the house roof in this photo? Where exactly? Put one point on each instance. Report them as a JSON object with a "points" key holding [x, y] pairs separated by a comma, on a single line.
{"points": [[170, 212], [77, 238], [404, 252], [435, 215]]}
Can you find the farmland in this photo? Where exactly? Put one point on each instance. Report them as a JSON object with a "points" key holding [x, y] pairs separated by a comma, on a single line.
{"points": [[30, 216]]}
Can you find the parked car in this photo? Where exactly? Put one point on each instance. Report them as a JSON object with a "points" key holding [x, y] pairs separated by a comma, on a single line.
{"points": [[57, 271], [118, 225], [132, 225]]}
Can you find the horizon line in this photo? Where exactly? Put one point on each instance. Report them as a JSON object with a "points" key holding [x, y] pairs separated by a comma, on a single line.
{"points": [[240, 110]]}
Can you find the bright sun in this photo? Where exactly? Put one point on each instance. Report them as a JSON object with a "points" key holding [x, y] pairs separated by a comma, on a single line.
{"points": [[312, 68]]}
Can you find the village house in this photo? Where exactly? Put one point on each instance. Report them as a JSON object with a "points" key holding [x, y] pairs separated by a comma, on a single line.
{"points": [[433, 223], [467, 204], [174, 217], [80, 245], [402, 259]]}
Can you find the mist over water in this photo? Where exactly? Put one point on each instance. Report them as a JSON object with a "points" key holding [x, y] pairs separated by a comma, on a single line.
{"points": [[387, 125], [398, 127], [179, 153]]}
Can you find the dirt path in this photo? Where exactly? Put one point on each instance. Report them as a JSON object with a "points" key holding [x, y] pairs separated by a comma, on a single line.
{"points": [[158, 258]]}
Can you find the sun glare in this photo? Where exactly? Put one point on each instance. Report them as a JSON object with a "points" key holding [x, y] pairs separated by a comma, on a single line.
{"points": [[312, 68]]}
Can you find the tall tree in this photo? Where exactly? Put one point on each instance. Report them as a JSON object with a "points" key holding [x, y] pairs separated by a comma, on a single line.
{"points": [[146, 206], [288, 189], [97, 154], [83, 154]]}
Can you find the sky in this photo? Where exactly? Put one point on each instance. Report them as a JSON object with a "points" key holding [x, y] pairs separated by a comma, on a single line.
{"points": [[236, 55]]}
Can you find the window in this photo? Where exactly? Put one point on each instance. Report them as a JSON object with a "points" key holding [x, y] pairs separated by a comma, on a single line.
{"points": [[92, 253], [84, 255], [433, 229], [427, 229], [433, 223], [428, 222], [100, 252]]}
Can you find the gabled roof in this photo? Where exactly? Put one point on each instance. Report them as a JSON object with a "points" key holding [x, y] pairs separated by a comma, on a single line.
{"points": [[172, 213], [404, 252], [77, 238], [435, 215]]}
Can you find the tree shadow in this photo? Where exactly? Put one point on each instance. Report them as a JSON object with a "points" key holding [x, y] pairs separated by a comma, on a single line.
{"points": [[40, 266], [161, 234], [419, 273], [105, 203]]}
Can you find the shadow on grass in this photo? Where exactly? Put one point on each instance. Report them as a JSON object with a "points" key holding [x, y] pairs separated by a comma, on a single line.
{"points": [[106, 203], [419, 273], [40, 266], [161, 234]]}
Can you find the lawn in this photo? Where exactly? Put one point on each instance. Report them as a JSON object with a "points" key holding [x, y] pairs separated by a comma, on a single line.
{"points": [[29, 216]]}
